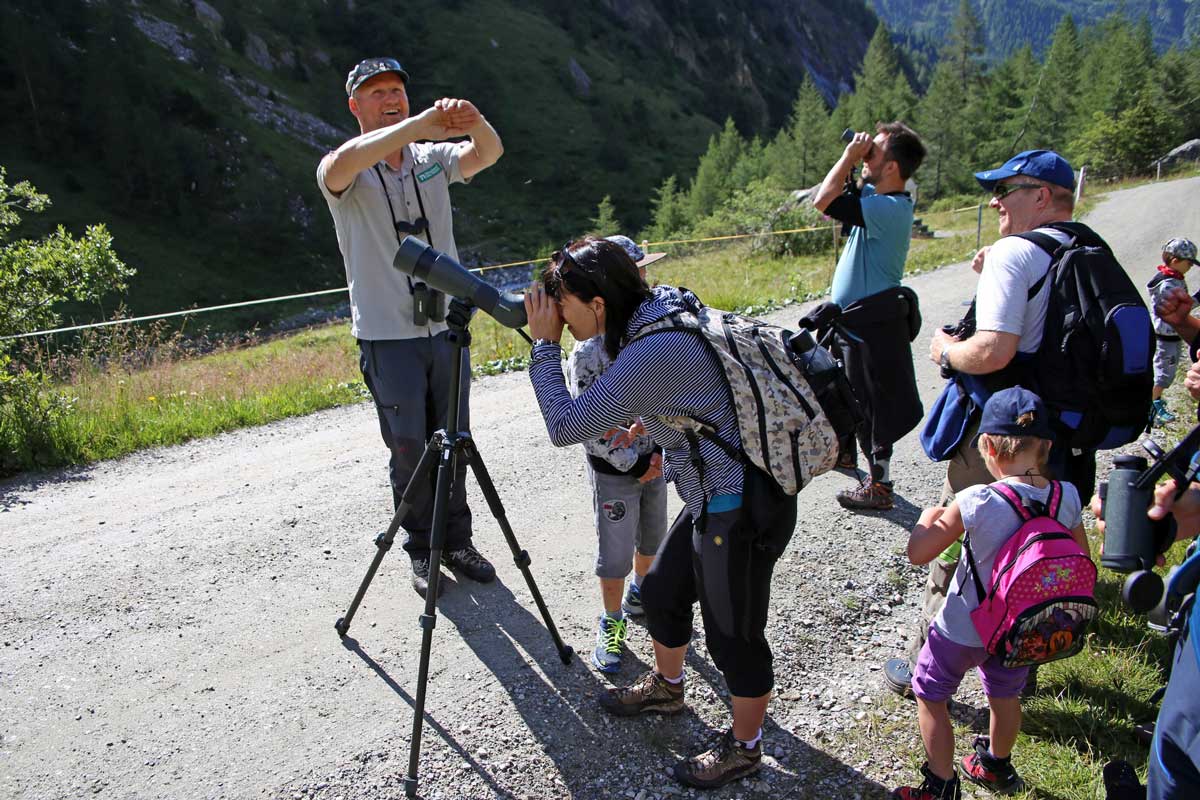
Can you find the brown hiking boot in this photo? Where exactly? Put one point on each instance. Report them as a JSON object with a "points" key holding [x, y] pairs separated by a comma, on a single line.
{"points": [[651, 692], [870, 495], [726, 762]]}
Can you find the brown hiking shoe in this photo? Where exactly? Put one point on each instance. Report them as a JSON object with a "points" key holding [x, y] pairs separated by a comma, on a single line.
{"points": [[726, 762], [870, 495], [651, 692]]}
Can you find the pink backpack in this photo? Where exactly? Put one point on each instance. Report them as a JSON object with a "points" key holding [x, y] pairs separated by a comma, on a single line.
{"points": [[1042, 585]]}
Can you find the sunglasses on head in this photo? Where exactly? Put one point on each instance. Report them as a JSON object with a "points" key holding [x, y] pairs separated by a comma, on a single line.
{"points": [[1003, 190]]}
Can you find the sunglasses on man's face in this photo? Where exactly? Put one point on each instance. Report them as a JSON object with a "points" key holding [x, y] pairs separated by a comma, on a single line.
{"points": [[1003, 190]]}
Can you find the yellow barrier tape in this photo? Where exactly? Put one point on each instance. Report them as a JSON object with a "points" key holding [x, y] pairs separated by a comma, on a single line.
{"points": [[671, 241], [487, 268]]}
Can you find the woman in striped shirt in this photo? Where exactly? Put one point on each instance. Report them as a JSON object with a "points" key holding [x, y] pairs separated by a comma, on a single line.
{"points": [[722, 548]]}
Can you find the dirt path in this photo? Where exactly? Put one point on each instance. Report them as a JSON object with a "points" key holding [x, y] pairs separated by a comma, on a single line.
{"points": [[167, 622]]}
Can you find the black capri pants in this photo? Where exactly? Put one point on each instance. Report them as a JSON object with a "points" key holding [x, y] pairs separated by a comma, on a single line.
{"points": [[726, 564]]}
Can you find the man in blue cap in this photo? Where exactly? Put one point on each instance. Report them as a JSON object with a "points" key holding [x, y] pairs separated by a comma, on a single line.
{"points": [[390, 181], [1030, 192]]}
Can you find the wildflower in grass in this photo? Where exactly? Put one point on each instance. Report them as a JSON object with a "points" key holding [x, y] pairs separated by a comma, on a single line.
{"points": [[152, 399]]}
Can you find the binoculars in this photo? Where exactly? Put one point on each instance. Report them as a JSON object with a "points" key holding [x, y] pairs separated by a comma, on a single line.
{"points": [[1133, 541]]}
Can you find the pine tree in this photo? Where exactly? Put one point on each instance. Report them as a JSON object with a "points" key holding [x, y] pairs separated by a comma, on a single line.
{"points": [[965, 45], [881, 90], [713, 184], [1055, 116], [605, 223], [669, 212], [805, 149], [940, 118]]}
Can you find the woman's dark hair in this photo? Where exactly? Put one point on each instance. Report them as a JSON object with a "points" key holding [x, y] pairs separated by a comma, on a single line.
{"points": [[592, 267]]}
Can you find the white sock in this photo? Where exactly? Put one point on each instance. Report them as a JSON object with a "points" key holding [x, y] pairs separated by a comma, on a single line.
{"points": [[673, 681], [750, 744]]}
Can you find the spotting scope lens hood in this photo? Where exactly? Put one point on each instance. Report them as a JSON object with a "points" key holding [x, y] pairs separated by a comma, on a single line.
{"points": [[446, 275]]}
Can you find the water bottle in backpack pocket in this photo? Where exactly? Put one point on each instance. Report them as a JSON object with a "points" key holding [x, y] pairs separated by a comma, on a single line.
{"points": [[1041, 600]]}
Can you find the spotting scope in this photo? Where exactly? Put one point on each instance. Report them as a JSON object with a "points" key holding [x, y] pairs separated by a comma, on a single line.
{"points": [[446, 275]]}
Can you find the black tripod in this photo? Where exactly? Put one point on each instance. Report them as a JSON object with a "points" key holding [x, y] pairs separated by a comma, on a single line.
{"points": [[446, 447]]}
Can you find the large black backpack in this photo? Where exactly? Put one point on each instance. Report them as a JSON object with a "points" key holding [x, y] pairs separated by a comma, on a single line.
{"points": [[1093, 367]]}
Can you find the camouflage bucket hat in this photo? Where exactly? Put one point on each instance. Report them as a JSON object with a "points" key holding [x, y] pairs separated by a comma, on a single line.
{"points": [[1181, 248], [370, 67]]}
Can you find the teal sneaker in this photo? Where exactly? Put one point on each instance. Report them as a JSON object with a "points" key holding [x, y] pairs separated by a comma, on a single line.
{"points": [[1161, 415], [632, 603], [610, 643]]}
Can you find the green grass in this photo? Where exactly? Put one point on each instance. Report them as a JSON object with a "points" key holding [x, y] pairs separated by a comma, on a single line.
{"points": [[128, 390], [1086, 707]]}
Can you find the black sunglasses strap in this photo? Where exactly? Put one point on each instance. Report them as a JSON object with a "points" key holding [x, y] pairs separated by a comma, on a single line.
{"points": [[392, 213], [421, 206]]}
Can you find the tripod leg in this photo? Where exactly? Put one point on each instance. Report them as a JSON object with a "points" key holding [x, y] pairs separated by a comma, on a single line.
{"points": [[428, 620], [521, 557], [383, 542]]}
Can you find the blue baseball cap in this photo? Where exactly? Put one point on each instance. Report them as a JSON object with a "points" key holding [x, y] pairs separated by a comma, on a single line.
{"points": [[1044, 165], [1003, 410]]}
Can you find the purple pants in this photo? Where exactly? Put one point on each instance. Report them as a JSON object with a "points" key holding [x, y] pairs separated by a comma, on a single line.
{"points": [[943, 663]]}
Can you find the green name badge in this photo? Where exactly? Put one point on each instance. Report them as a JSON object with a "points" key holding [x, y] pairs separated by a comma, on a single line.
{"points": [[429, 173]]}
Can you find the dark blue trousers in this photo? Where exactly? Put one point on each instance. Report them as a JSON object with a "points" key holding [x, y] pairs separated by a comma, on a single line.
{"points": [[1174, 769], [410, 382]]}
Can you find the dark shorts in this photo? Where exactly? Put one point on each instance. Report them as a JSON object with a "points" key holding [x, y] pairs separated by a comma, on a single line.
{"points": [[727, 565]]}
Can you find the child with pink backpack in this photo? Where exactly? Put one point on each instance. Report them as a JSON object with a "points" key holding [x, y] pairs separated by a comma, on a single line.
{"points": [[1022, 594]]}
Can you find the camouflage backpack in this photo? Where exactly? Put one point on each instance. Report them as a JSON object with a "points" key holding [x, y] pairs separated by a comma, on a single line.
{"points": [[790, 395]]}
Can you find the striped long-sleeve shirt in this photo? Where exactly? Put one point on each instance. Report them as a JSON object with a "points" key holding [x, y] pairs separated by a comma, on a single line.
{"points": [[667, 374]]}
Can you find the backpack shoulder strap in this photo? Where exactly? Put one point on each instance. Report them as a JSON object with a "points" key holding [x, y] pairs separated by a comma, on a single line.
{"points": [[1042, 240], [1054, 501], [1013, 499], [974, 570], [1048, 244]]}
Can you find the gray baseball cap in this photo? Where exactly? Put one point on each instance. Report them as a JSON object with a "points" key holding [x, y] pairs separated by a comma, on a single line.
{"points": [[639, 256], [370, 67], [1181, 248]]}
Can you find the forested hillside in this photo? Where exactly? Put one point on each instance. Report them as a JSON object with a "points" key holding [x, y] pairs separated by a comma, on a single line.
{"points": [[1012, 24], [193, 128], [1105, 96]]}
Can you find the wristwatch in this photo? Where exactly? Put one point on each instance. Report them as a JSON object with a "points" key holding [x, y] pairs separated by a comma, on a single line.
{"points": [[944, 359], [554, 342]]}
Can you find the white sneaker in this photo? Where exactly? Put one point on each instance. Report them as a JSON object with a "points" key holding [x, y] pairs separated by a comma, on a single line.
{"points": [[632, 603]]}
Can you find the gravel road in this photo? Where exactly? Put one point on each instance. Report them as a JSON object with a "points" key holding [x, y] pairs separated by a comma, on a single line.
{"points": [[167, 624]]}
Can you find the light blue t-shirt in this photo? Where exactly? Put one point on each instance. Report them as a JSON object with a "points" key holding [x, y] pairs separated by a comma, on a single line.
{"points": [[873, 259]]}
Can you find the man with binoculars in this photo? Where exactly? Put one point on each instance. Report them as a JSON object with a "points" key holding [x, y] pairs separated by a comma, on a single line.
{"points": [[391, 181]]}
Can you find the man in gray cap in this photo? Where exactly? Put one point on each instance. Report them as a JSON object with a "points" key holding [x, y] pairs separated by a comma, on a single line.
{"points": [[390, 181]]}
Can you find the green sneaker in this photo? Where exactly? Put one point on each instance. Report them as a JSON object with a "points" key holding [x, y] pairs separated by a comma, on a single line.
{"points": [[610, 643]]}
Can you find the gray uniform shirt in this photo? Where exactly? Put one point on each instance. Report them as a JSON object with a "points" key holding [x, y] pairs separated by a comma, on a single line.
{"points": [[381, 299]]}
